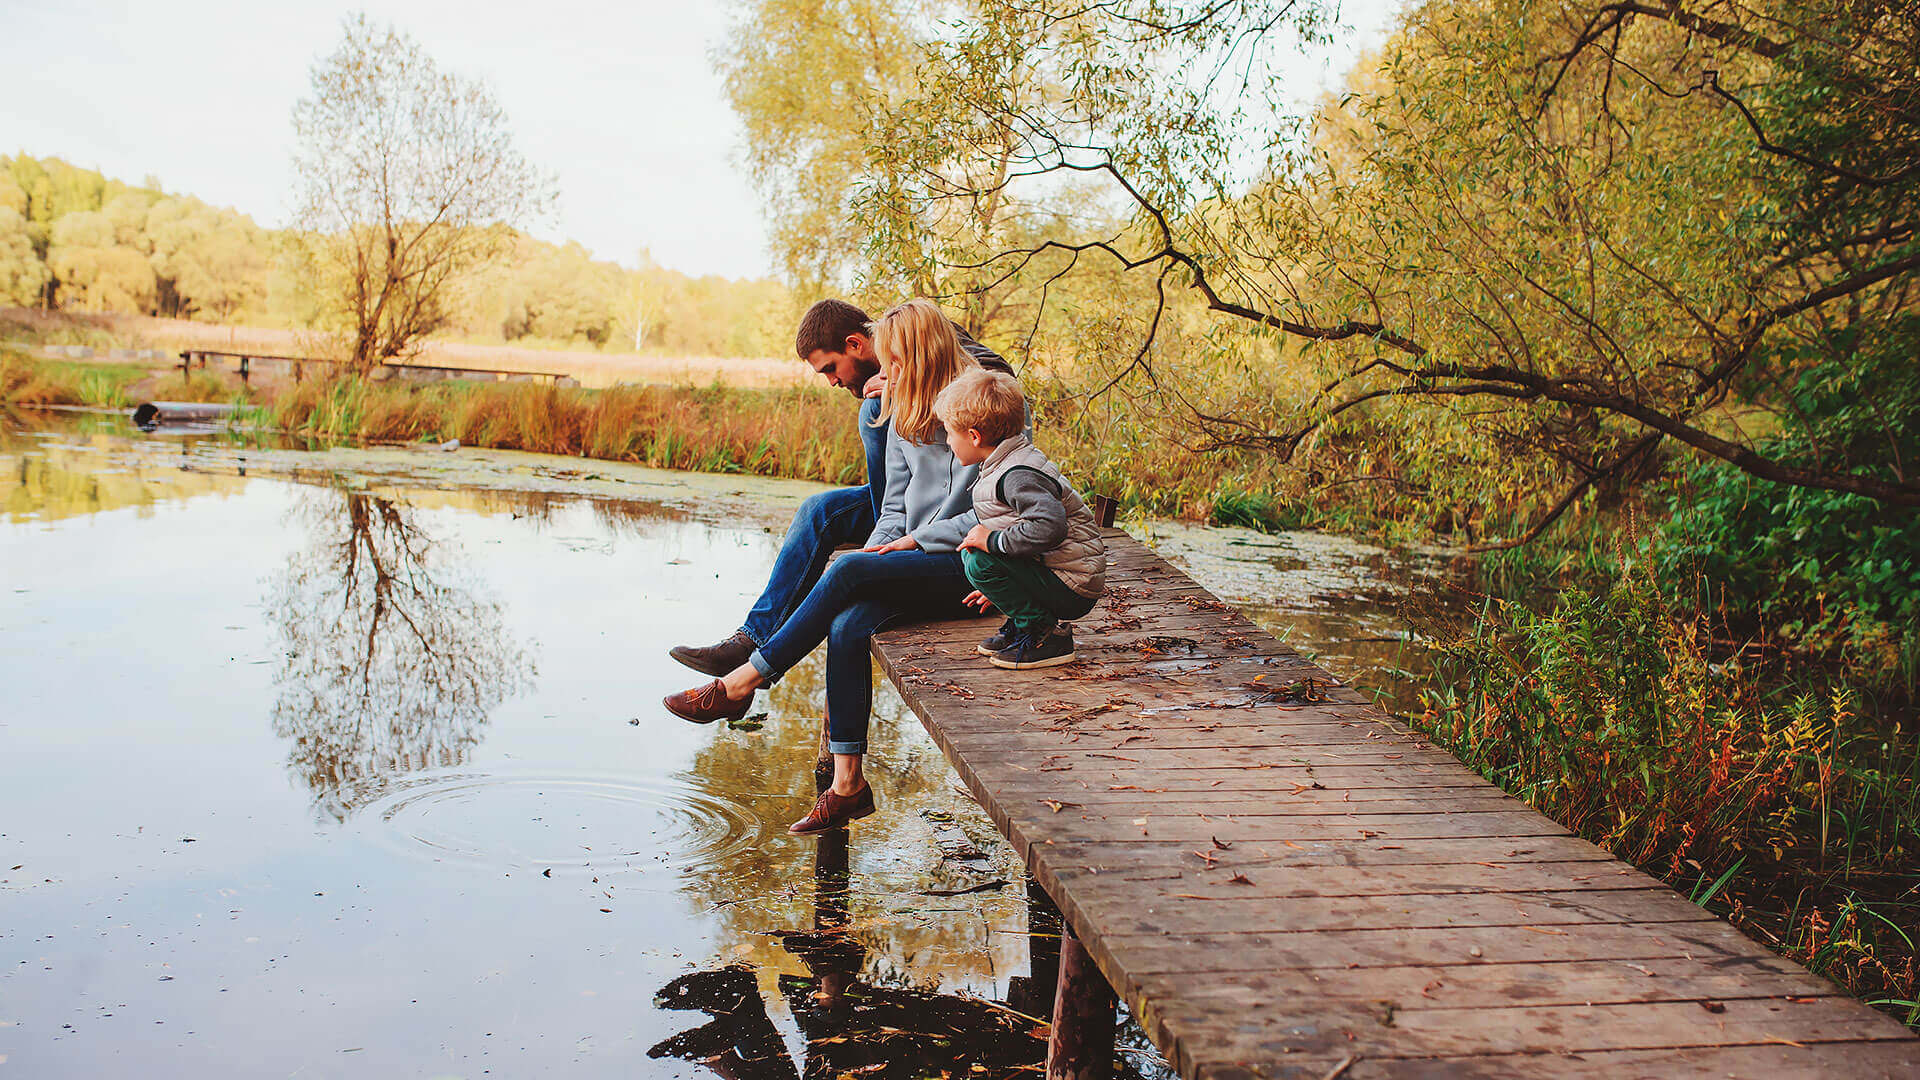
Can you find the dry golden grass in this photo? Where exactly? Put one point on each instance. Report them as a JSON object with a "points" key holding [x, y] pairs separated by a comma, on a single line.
{"points": [[591, 369], [802, 432]]}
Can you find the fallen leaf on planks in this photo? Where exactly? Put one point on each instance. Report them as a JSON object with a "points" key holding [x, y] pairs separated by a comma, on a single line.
{"points": [[1208, 856], [1222, 845], [1239, 879], [1057, 805], [1544, 930]]}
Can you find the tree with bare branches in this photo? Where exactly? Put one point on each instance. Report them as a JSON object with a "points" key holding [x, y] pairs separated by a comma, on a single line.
{"points": [[408, 177]]}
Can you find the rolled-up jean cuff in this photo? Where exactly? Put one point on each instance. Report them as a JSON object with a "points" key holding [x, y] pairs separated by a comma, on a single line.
{"points": [[846, 747], [767, 671], [751, 636]]}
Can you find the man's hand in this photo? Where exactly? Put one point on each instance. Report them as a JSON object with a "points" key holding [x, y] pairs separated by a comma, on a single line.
{"points": [[977, 600], [875, 384], [905, 543], [976, 539]]}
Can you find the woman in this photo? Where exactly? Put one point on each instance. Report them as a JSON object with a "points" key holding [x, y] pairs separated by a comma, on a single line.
{"points": [[910, 567]]}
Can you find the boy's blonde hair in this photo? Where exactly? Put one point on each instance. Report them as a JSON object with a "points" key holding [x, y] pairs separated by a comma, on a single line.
{"points": [[989, 402], [920, 354]]}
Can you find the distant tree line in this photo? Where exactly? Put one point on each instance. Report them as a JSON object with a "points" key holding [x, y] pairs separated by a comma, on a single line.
{"points": [[72, 239]]}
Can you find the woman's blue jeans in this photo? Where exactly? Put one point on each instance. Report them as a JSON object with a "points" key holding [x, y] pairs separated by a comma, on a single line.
{"points": [[859, 595], [823, 523]]}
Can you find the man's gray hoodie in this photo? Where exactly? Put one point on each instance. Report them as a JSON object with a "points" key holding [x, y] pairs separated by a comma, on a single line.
{"points": [[929, 494]]}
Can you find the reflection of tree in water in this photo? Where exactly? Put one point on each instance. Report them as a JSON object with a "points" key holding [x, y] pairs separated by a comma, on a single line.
{"points": [[391, 655]]}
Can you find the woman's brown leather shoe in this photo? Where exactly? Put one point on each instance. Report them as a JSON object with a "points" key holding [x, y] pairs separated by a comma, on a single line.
{"points": [[832, 811], [705, 704]]}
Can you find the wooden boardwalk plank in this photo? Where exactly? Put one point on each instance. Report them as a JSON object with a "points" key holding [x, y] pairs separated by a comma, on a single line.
{"points": [[1282, 881]]}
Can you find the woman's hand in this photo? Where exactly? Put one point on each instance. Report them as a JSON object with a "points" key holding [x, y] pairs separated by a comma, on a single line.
{"points": [[875, 385], [977, 600], [905, 543], [976, 539]]}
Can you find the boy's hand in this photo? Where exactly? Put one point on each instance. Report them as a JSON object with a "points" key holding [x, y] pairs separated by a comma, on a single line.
{"points": [[976, 539], [978, 601], [905, 543]]}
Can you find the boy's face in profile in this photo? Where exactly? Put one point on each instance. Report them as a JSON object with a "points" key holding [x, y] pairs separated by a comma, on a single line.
{"points": [[967, 446]]}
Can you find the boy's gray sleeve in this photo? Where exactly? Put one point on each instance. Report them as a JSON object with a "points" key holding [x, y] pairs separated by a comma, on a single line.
{"points": [[1042, 517], [892, 523]]}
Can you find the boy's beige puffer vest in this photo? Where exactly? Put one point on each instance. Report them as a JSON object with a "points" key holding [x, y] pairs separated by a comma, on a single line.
{"points": [[1080, 561]]}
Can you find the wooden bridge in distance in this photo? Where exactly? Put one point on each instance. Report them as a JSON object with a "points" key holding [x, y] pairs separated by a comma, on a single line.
{"points": [[1308, 889]]}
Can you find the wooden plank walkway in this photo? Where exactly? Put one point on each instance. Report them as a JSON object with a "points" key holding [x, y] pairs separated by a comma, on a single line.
{"points": [[1289, 889]]}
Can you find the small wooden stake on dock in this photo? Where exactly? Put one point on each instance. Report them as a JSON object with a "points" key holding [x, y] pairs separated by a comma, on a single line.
{"points": [[1081, 1045]]}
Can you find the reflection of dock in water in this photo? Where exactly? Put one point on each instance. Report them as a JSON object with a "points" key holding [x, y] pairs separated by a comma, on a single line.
{"points": [[853, 1026]]}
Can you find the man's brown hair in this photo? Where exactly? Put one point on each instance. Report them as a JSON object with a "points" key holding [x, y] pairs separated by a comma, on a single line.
{"points": [[827, 325]]}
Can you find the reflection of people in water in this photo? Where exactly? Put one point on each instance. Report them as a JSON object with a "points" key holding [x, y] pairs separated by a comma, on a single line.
{"points": [[391, 657], [848, 1025]]}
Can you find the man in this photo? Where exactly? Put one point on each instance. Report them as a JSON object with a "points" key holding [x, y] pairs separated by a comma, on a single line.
{"points": [[834, 342]]}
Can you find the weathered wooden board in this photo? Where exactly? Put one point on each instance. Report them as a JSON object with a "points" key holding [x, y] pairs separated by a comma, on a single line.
{"points": [[1282, 881]]}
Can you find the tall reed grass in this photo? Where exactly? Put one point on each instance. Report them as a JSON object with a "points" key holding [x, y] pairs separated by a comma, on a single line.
{"points": [[28, 381], [805, 432]]}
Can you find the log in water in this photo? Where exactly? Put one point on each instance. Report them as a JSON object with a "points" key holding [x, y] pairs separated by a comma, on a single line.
{"points": [[151, 414]]}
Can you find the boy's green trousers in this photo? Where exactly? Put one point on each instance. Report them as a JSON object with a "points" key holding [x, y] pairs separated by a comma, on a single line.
{"points": [[1024, 589]]}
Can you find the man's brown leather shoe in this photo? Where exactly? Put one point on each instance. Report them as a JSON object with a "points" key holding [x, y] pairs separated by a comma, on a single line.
{"points": [[705, 704], [832, 811], [716, 660]]}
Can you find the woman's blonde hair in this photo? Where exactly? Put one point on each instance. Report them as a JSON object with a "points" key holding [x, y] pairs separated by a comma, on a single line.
{"points": [[920, 354]]}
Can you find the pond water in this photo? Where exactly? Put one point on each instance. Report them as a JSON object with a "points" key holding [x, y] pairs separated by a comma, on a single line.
{"points": [[350, 762]]}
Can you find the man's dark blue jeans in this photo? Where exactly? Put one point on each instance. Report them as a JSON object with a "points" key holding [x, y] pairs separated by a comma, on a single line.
{"points": [[824, 522], [859, 595]]}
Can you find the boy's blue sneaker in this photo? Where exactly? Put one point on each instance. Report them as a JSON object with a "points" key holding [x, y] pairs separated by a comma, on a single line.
{"points": [[1001, 638], [1037, 650]]}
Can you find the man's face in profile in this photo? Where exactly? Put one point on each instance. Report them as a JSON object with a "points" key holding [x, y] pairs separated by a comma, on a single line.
{"points": [[849, 370]]}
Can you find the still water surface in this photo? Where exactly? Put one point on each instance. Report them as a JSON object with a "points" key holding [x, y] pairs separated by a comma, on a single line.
{"points": [[350, 763]]}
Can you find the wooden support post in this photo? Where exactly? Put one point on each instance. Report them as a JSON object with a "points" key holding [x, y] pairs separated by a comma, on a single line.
{"points": [[1081, 1045]]}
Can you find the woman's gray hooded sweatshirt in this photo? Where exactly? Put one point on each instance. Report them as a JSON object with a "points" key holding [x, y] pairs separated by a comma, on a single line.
{"points": [[929, 494]]}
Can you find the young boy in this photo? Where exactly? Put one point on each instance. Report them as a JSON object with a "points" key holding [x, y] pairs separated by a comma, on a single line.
{"points": [[1036, 554]]}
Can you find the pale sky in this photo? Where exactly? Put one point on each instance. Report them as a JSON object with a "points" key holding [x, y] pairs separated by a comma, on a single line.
{"points": [[619, 101]]}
